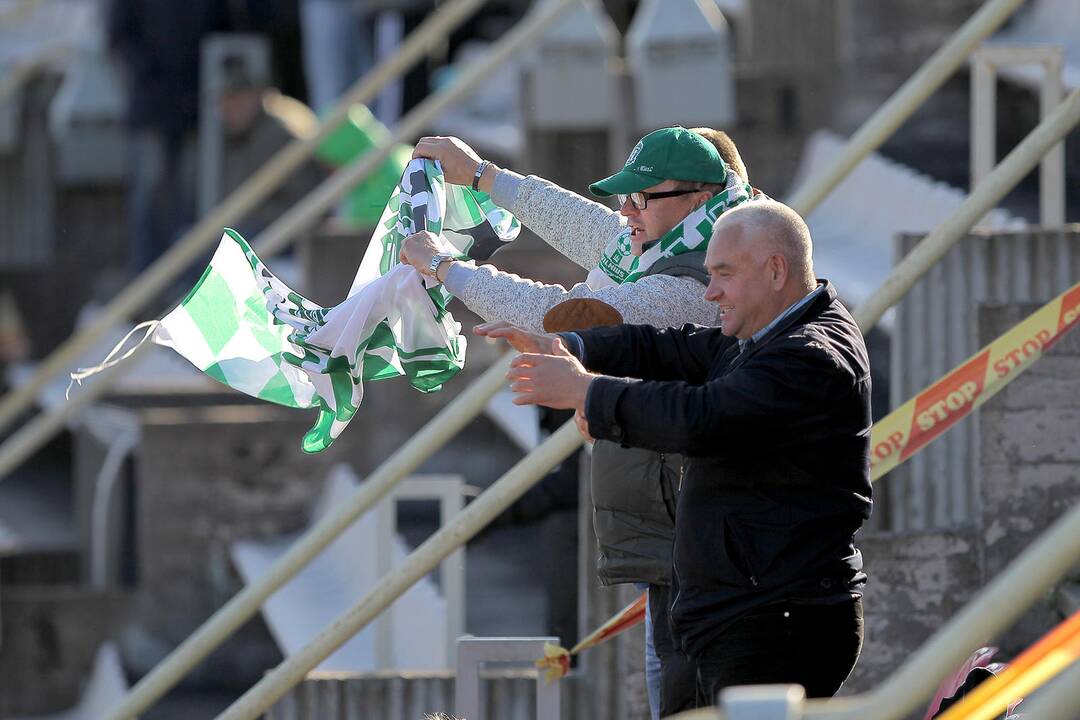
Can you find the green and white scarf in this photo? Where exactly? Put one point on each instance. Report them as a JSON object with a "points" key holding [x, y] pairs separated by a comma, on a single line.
{"points": [[619, 265], [245, 328]]}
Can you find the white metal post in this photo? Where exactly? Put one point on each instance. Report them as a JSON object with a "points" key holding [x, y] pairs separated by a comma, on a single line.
{"points": [[1018, 163], [984, 65], [449, 491], [983, 118], [763, 702], [473, 652]]}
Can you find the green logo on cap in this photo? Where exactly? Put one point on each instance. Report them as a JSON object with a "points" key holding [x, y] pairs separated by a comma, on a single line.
{"points": [[634, 153]]}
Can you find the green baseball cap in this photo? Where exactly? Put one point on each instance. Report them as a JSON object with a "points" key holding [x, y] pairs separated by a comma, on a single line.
{"points": [[672, 153]]}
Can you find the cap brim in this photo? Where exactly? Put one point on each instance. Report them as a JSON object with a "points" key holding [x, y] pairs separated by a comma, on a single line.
{"points": [[623, 182]]}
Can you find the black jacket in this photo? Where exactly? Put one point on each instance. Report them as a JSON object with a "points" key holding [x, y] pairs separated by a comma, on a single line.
{"points": [[777, 441]]}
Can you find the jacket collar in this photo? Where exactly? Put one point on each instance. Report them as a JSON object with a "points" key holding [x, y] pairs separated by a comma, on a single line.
{"points": [[798, 317]]}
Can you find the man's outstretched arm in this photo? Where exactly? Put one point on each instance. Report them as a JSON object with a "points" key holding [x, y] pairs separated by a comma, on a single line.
{"points": [[637, 351]]}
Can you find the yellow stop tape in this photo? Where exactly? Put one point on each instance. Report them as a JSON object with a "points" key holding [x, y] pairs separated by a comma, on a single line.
{"points": [[915, 424]]}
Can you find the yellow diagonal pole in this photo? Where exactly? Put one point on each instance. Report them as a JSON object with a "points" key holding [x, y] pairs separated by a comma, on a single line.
{"points": [[254, 190]]}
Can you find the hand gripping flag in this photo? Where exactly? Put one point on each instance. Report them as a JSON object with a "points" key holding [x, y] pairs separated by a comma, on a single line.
{"points": [[245, 328]]}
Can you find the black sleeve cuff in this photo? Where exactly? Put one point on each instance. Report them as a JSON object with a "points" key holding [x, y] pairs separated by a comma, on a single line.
{"points": [[601, 407], [574, 344]]}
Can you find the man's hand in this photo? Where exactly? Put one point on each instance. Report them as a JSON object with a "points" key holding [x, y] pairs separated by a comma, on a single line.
{"points": [[459, 161], [583, 426], [521, 340], [417, 249], [557, 381]]}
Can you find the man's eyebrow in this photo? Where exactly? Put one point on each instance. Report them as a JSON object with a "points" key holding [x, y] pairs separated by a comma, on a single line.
{"points": [[718, 266]]}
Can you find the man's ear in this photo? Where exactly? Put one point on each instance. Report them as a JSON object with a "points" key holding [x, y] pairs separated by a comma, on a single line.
{"points": [[778, 271]]}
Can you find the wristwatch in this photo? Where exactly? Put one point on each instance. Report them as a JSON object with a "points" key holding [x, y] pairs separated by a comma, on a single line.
{"points": [[436, 260], [480, 169]]}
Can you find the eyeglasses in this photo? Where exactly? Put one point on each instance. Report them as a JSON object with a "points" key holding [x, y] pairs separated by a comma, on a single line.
{"points": [[640, 200]]}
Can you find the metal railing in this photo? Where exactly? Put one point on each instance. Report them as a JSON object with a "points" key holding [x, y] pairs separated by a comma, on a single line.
{"points": [[431, 437], [1018, 163], [523, 475], [275, 238], [904, 102], [1021, 584]]}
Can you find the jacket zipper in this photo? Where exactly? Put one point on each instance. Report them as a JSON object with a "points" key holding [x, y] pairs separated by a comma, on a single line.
{"points": [[750, 575]]}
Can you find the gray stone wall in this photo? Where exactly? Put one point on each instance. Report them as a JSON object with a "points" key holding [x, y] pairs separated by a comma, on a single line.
{"points": [[1030, 470], [204, 477], [1030, 460], [50, 635]]}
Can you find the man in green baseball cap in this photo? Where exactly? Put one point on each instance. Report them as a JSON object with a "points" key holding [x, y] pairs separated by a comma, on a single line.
{"points": [[646, 262], [671, 162]]}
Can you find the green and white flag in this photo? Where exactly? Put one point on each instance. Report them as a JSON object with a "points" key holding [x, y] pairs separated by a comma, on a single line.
{"points": [[245, 328]]}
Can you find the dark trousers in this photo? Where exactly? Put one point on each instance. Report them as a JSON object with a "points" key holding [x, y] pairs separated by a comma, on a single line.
{"points": [[678, 673], [815, 646]]}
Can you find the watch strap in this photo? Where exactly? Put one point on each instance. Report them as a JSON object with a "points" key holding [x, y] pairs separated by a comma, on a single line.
{"points": [[436, 260], [483, 166]]}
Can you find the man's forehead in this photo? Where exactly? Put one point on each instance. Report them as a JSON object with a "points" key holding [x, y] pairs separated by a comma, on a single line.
{"points": [[728, 244]]}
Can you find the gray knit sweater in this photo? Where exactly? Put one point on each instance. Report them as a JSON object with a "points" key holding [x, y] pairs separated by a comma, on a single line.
{"points": [[580, 229]]}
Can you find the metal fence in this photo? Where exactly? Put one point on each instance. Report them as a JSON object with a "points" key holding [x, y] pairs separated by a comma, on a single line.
{"points": [[936, 330]]}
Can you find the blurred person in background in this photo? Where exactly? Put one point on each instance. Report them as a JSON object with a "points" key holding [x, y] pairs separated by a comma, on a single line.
{"points": [[158, 46], [670, 174], [258, 121]]}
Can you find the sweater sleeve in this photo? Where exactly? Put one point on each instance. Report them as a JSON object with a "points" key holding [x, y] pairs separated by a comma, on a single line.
{"points": [[577, 227], [660, 300]]}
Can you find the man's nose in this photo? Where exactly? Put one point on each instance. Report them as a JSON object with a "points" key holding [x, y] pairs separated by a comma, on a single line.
{"points": [[628, 209], [712, 292]]}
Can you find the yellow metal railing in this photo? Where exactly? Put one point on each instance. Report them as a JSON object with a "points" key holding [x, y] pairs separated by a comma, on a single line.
{"points": [[917, 678], [433, 436], [455, 533], [904, 102], [471, 402]]}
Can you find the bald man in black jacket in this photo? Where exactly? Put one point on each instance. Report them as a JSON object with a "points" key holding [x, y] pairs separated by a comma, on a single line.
{"points": [[773, 411]]}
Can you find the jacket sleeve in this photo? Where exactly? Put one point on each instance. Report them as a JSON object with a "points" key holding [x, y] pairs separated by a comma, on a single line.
{"points": [[650, 353], [777, 394], [577, 227], [660, 300]]}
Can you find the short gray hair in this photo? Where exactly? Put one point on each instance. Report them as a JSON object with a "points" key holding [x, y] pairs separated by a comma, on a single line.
{"points": [[784, 228]]}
